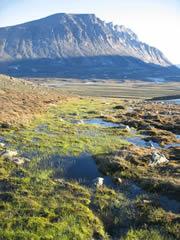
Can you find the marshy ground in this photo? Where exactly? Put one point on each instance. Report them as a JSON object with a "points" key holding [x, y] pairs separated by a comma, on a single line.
{"points": [[52, 194]]}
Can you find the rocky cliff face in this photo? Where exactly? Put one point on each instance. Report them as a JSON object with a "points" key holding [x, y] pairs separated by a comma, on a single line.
{"points": [[74, 35]]}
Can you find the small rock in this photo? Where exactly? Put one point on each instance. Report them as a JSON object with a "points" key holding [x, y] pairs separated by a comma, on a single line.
{"points": [[125, 127], [18, 161], [2, 145], [59, 180], [118, 180], [61, 119], [150, 143], [130, 110], [80, 122], [9, 154], [146, 201], [98, 182]]}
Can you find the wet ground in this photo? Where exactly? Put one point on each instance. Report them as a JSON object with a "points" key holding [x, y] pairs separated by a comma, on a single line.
{"points": [[101, 122], [172, 101], [83, 169]]}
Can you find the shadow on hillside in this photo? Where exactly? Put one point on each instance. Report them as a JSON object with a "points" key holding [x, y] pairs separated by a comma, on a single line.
{"points": [[97, 67]]}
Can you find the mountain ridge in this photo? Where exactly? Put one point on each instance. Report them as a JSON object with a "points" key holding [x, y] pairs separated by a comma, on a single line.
{"points": [[62, 37], [81, 32]]}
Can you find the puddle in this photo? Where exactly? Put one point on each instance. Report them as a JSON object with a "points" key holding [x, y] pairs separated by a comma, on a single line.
{"points": [[172, 145], [101, 122], [169, 204], [140, 142], [170, 101], [82, 169], [2, 140], [174, 101]]}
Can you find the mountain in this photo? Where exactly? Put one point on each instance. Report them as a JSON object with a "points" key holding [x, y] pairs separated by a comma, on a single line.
{"points": [[77, 45]]}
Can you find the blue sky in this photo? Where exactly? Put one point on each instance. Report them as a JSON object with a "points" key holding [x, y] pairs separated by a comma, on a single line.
{"points": [[156, 22]]}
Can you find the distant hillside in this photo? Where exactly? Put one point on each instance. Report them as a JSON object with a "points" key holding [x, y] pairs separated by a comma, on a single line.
{"points": [[78, 45], [20, 100]]}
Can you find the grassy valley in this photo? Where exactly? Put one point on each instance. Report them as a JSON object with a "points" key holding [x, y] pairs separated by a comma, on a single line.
{"points": [[54, 147]]}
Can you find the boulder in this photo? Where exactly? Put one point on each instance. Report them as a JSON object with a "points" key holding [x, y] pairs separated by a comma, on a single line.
{"points": [[158, 158]]}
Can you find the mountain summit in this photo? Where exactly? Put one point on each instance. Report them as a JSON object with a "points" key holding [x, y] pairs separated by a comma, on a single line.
{"points": [[71, 35], [78, 38]]}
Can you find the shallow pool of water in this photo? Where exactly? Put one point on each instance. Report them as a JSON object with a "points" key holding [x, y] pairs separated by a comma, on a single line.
{"points": [[176, 101], [140, 142], [172, 145], [169, 204], [100, 122], [82, 169], [170, 101]]}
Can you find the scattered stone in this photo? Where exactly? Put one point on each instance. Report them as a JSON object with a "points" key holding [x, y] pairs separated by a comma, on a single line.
{"points": [[130, 110], [61, 119], [98, 182], [146, 201], [2, 145], [125, 127], [118, 180], [59, 180], [151, 144], [80, 122], [158, 158], [9, 154], [18, 161]]}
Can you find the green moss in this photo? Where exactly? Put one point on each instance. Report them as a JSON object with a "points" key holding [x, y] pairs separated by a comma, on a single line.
{"points": [[144, 235], [49, 134]]}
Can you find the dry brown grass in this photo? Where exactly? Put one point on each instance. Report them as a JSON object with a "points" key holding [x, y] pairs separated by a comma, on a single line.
{"points": [[21, 100]]}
